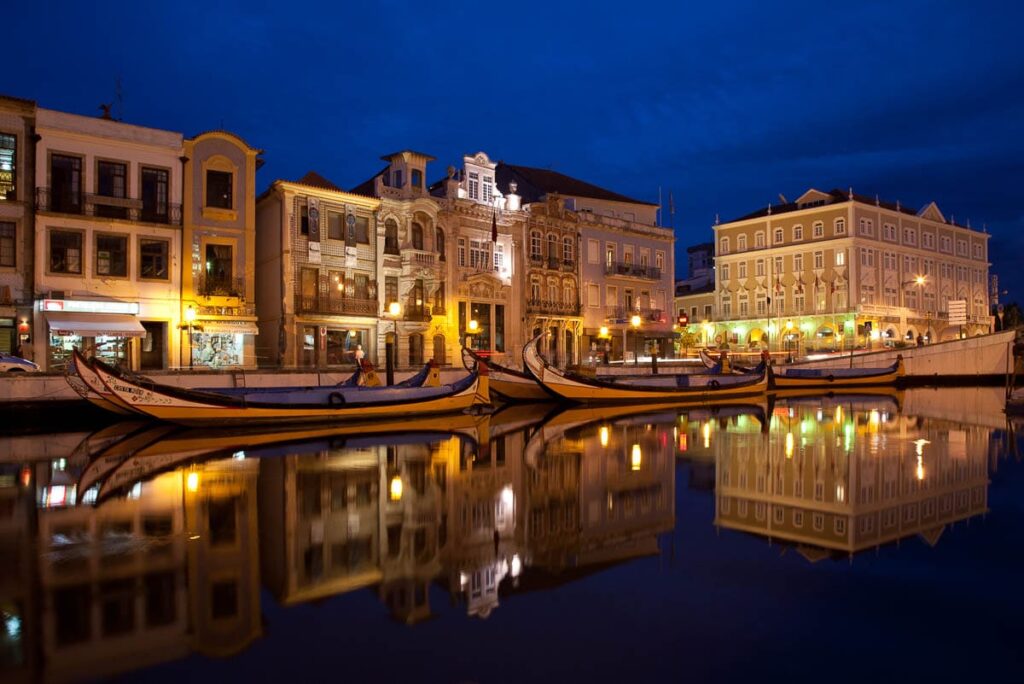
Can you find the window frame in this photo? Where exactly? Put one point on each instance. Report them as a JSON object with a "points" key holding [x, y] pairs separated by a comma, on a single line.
{"points": [[167, 259], [81, 251]]}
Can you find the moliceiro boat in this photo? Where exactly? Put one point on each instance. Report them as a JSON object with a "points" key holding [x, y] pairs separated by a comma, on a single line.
{"points": [[700, 389], [508, 384], [269, 406], [837, 378]]}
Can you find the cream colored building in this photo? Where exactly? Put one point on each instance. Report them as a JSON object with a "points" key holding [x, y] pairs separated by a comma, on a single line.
{"points": [[316, 268], [838, 270], [17, 120], [108, 223]]}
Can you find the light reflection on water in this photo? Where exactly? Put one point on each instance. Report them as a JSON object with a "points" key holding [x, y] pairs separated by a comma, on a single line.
{"points": [[141, 544]]}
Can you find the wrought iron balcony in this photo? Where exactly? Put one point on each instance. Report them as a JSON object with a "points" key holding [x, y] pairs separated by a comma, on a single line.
{"points": [[123, 208], [544, 306], [338, 306], [623, 314], [621, 268], [215, 286]]}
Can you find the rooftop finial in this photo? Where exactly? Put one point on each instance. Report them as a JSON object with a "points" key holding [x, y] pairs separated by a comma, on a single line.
{"points": [[897, 205], [877, 202], [769, 208], [717, 221], [851, 193]]}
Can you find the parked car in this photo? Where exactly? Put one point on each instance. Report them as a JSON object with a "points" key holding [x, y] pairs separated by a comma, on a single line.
{"points": [[16, 364]]}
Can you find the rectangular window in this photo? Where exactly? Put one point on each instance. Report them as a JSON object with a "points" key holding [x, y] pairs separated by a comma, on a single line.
{"points": [[66, 183], [611, 295], [111, 179], [390, 289], [609, 255], [840, 257], [462, 251], [819, 260], [303, 220], [474, 185], [659, 261], [725, 271], [65, 252], [593, 295], [362, 229], [219, 267], [478, 254], [155, 192], [219, 189], [499, 327], [798, 263], [153, 258], [8, 163], [593, 251], [798, 233], [840, 226], [819, 229], [743, 269], [759, 268], [778, 266], [499, 256], [335, 225], [7, 245]]}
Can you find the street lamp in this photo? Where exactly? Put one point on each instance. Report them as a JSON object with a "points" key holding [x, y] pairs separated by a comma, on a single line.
{"points": [[635, 322], [190, 317], [789, 341], [606, 346], [471, 327], [390, 340]]}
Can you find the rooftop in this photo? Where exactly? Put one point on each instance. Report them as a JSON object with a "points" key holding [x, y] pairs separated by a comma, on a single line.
{"points": [[534, 184]]}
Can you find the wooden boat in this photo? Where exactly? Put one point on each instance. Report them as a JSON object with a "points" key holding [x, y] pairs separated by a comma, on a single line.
{"points": [[288, 405], [87, 385], [508, 384], [700, 389], [723, 364], [834, 378], [97, 393]]}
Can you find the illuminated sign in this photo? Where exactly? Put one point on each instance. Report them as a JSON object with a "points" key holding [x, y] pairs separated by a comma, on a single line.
{"points": [[86, 306]]}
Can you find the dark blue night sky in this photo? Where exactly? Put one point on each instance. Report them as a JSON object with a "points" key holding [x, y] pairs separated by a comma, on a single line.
{"points": [[726, 104]]}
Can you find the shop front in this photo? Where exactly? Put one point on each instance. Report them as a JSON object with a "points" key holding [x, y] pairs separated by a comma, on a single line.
{"points": [[222, 343], [334, 345], [103, 329]]}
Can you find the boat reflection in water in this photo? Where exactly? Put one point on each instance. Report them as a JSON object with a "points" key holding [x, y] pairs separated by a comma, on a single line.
{"points": [[143, 546]]}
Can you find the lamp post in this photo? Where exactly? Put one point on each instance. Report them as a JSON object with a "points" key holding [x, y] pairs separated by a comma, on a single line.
{"points": [[190, 317], [635, 322], [390, 340]]}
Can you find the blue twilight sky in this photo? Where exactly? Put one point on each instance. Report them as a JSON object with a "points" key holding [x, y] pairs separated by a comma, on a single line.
{"points": [[726, 104]]}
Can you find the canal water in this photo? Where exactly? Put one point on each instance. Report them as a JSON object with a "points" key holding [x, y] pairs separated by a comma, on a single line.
{"points": [[841, 538]]}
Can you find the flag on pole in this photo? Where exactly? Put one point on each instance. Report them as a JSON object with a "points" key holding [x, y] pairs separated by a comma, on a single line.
{"points": [[494, 225]]}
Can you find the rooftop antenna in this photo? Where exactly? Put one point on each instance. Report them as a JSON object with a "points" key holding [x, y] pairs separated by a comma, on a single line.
{"points": [[769, 208], [876, 200], [671, 210], [717, 220], [783, 199], [851, 193]]}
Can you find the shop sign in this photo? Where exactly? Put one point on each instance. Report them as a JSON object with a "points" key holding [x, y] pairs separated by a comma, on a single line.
{"points": [[86, 306]]}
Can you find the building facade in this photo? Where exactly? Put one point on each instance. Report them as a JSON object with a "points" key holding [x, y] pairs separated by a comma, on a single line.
{"points": [[316, 261], [17, 122], [218, 289], [836, 270], [107, 241]]}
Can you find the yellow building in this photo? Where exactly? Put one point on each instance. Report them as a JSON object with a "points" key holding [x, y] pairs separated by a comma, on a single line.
{"points": [[837, 270], [218, 311]]}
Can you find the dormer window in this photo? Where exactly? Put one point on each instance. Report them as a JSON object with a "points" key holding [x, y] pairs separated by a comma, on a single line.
{"points": [[488, 189], [474, 185], [417, 178], [398, 178]]}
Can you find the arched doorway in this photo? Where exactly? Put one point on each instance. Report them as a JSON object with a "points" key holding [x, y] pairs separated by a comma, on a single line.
{"points": [[825, 337], [755, 338], [439, 350]]}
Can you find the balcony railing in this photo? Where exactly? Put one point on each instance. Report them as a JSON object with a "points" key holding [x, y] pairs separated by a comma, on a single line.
{"points": [[624, 314], [544, 306], [621, 268], [212, 286], [568, 265], [124, 208], [356, 306], [419, 258]]}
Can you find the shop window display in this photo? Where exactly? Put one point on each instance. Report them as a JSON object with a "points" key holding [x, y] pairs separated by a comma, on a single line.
{"points": [[216, 350]]}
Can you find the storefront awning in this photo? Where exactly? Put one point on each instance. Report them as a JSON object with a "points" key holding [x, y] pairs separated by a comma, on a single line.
{"points": [[93, 325], [227, 327]]}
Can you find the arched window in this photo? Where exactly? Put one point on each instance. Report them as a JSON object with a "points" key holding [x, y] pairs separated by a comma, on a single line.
{"points": [[759, 239], [535, 251], [417, 235], [552, 292], [569, 294], [724, 245], [439, 350], [535, 291], [778, 236], [741, 242], [552, 246], [567, 250], [439, 243], [415, 349], [840, 226], [390, 237]]}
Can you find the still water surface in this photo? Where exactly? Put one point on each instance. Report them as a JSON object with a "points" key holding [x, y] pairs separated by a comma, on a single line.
{"points": [[843, 538]]}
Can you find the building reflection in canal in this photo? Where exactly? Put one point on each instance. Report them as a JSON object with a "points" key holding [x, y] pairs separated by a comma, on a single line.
{"points": [[516, 502]]}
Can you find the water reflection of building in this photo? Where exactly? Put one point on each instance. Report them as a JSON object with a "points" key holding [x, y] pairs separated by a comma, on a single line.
{"points": [[148, 577], [830, 477]]}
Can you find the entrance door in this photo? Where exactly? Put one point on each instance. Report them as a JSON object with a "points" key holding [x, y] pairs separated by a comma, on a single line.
{"points": [[153, 345]]}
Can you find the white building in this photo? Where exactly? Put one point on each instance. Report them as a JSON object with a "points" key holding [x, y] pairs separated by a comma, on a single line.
{"points": [[107, 241]]}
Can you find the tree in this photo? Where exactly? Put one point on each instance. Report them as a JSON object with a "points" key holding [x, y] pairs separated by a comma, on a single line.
{"points": [[687, 339]]}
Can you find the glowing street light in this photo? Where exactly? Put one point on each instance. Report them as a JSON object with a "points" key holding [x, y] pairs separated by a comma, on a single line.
{"points": [[395, 490], [636, 458], [635, 322]]}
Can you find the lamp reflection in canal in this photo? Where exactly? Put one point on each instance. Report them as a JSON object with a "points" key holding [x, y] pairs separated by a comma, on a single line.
{"points": [[395, 489], [636, 458], [192, 482], [919, 450], [789, 445], [603, 435], [706, 433]]}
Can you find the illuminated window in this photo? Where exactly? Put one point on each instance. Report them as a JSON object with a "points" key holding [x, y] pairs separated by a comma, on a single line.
{"points": [[8, 164]]}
